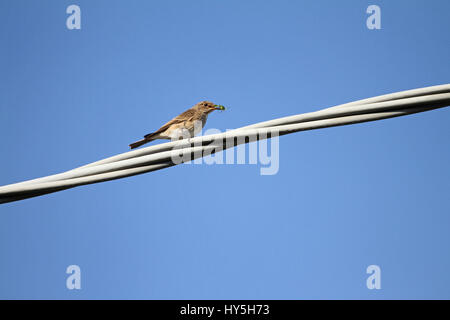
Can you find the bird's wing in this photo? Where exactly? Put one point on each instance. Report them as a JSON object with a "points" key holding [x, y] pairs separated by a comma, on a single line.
{"points": [[188, 114]]}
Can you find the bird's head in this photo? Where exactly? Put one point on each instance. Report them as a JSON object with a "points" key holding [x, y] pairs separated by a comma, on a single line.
{"points": [[208, 106]]}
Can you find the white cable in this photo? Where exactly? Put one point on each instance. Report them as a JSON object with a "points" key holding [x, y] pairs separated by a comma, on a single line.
{"points": [[159, 156]]}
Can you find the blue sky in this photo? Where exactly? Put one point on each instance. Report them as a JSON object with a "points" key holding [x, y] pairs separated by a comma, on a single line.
{"points": [[344, 198]]}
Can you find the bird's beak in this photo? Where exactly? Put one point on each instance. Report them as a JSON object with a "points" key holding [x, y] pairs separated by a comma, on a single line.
{"points": [[219, 107]]}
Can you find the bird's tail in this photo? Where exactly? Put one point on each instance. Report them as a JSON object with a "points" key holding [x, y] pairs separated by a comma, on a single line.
{"points": [[140, 143]]}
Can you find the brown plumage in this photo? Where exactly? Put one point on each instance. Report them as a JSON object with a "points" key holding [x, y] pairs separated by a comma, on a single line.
{"points": [[189, 123]]}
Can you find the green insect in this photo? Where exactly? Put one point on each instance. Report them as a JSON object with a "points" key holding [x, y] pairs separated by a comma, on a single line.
{"points": [[220, 107]]}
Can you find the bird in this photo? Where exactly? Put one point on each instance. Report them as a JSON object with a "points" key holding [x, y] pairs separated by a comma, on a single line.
{"points": [[190, 122]]}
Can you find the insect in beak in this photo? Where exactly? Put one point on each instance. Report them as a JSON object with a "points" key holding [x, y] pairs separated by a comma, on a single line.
{"points": [[219, 107]]}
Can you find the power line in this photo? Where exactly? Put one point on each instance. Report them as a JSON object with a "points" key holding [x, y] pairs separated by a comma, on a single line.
{"points": [[161, 156]]}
